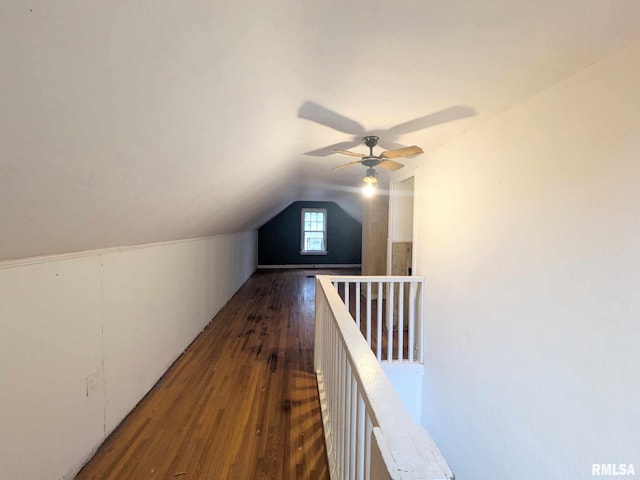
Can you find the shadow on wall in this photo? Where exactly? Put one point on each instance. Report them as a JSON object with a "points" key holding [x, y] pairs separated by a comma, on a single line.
{"points": [[280, 239]]}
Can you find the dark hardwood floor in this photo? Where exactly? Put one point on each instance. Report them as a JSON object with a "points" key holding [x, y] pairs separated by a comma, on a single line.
{"points": [[242, 401]]}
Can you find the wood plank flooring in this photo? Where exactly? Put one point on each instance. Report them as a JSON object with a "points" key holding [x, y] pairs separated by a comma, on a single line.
{"points": [[242, 401]]}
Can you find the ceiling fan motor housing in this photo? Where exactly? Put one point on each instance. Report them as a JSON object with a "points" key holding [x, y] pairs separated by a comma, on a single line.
{"points": [[370, 161], [370, 141]]}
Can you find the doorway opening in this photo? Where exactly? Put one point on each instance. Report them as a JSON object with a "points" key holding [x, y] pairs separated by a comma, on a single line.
{"points": [[400, 244]]}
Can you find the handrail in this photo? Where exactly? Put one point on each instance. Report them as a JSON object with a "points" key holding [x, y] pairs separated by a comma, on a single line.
{"points": [[357, 399]]}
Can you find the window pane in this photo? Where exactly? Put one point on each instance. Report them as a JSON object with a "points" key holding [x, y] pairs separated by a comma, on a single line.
{"points": [[314, 241]]}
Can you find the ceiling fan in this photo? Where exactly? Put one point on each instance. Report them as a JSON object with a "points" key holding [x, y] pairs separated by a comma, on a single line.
{"points": [[384, 160], [323, 116], [371, 161], [388, 137]]}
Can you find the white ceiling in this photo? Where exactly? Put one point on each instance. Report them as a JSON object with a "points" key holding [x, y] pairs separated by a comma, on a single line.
{"points": [[132, 122]]}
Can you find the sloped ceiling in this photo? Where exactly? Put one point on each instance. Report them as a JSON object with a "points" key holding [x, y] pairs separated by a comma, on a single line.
{"points": [[132, 122]]}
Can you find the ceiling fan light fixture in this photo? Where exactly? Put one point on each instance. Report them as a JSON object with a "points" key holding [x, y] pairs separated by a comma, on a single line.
{"points": [[370, 183], [370, 177]]}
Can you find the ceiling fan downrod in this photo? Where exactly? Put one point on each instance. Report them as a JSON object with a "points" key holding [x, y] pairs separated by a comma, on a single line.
{"points": [[370, 141]]}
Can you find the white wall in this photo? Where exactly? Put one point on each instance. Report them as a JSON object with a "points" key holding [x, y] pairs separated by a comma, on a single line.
{"points": [[122, 316], [407, 380], [528, 234]]}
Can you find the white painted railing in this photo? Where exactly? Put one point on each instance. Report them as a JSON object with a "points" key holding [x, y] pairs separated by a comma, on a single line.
{"points": [[368, 433], [388, 310]]}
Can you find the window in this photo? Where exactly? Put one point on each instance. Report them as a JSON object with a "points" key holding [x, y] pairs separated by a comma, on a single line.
{"points": [[314, 231]]}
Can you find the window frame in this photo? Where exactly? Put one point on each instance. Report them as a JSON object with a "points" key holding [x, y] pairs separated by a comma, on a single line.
{"points": [[303, 251]]}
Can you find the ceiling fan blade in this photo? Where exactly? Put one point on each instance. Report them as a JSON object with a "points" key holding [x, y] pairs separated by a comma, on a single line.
{"points": [[390, 165], [402, 152], [350, 164], [326, 151], [450, 114], [318, 114], [349, 152]]}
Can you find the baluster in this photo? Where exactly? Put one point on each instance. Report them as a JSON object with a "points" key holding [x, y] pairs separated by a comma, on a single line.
{"points": [[347, 424], [361, 442], [354, 432], [390, 322], [340, 414], [420, 332], [412, 319], [401, 322], [367, 448], [337, 400], [323, 333], [331, 394], [346, 295], [320, 347], [358, 304], [379, 325], [369, 313]]}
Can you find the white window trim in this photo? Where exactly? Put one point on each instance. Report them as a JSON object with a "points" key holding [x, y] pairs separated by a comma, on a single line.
{"points": [[313, 252]]}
